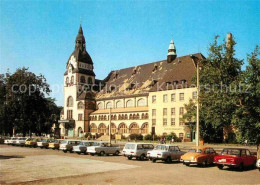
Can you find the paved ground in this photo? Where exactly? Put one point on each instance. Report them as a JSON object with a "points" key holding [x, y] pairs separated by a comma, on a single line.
{"points": [[19, 165]]}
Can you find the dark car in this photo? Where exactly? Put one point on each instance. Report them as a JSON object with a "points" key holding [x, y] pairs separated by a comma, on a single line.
{"points": [[235, 157]]}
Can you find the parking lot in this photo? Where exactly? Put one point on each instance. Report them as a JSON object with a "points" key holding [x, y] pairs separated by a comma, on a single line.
{"points": [[20, 165]]}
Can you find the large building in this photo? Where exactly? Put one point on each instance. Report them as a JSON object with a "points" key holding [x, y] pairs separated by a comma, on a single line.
{"points": [[144, 99]]}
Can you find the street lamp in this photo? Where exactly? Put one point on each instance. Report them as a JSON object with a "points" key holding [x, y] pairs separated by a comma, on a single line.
{"points": [[198, 113], [110, 125]]}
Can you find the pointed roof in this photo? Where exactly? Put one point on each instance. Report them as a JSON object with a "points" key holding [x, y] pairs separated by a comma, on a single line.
{"points": [[80, 36], [172, 46]]}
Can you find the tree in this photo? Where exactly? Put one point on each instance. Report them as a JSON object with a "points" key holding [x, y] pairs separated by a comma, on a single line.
{"points": [[247, 115], [219, 75], [24, 105]]}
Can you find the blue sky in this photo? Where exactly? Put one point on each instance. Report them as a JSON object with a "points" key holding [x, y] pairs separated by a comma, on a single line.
{"points": [[41, 34]]}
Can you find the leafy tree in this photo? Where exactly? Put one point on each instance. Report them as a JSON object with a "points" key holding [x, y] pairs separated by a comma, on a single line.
{"points": [[24, 105], [247, 115], [220, 74]]}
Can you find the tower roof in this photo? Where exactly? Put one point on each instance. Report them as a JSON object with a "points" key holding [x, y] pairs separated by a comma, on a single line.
{"points": [[80, 36], [172, 46]]}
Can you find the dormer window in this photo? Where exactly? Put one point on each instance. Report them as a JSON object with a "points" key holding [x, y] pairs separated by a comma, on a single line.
{"points": [[116, 75], [112, 88], [168, 83], [175, 82], [134, 72], [155, 68], [183, 81]]}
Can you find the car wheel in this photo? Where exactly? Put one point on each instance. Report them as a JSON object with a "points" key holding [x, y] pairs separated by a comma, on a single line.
{"points": [[71, 151], [129, 157], [92, 154], [204, 164], [85, 152], [220, 167], [187, 164], [78, 153], [102, 153], [154, 160], [116, 153], [241, 167], [168, 160], [142, 157], [65, 151]]}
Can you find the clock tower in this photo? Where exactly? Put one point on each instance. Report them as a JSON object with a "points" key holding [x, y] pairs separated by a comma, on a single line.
{"points": [[79, 78]]}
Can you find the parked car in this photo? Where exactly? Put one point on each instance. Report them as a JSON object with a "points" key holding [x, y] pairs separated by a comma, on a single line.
{"points": [[82, 147], [67, 145], [166, 153], [55, 144], [43, 143], [258, 164], [199, 155], [20, 141], [103, 148], [137, 150], [31, 142], [10, 141], [235, 157]]}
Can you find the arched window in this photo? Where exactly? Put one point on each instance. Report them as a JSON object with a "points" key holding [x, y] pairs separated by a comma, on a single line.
{"points": [[67, 81], [131, 116], [141, 103], [119, 104], [134, 128], [102, 128], [143, 117], [137, 116], [113, 128], [90, 80], [93, 128], [100, 105], [134, 116], [82, 79], [130, 103], [109, 105], [126, 117], [144, 128], [72, 80], [80, 105], [70, 102], [122, 128]]}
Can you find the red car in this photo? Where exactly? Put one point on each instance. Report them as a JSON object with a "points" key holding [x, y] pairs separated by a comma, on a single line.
{"points": [[235, 157]]}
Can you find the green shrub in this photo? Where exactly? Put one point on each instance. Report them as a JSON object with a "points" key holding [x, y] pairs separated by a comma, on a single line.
{"points": [[136, 136]]}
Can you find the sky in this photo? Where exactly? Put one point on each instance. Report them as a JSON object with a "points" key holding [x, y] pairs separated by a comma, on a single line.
{"points": [[40, 34]]}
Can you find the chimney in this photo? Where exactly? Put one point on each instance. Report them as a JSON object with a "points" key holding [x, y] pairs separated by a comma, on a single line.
{"points": [[229, 40]]}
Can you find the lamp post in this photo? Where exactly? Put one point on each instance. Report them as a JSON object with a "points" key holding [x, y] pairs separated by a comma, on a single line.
{"points": [[197, 121], [110, 125]]}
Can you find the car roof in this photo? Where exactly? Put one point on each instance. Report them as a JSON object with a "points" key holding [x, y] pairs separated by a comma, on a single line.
{"points": [[236, 148], [201, 147], [140, 143]]}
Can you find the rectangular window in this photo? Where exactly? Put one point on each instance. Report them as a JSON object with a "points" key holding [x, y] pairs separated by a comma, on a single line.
{"points": [[181, 123], [165, 111], [80, 117], [181, 110], [181, 135], [194, 95], [153, 122], [172, 111], [188, 134], [181, 96], [172, 121], [154, 99], [165, 98], [153, 112], [164, 121], [173, 97], [69, 114]]}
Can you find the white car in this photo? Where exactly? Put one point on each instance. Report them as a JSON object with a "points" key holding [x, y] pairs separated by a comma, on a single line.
{"points": [[258, 164], [10, 141], [166, 153], [103, 148], [67, 145], [137, 150], [20, 141]]}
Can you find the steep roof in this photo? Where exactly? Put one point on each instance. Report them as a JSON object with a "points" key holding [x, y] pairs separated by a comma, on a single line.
{"points": [[149, 77]]}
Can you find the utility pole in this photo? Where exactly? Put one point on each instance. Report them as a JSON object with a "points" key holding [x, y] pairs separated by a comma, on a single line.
{"points": [[110, 126], [197, 122]]}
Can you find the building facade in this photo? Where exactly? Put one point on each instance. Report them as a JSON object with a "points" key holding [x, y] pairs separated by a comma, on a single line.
{"points": [[144, 99]]}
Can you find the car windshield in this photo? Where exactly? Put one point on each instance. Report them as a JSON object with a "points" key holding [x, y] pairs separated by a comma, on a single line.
{"points": [[88, 143], [130, 146], [194, 151], [161, 147], [64, 142], [235, 152], [22, 138], [14, 138], [96, 144]]}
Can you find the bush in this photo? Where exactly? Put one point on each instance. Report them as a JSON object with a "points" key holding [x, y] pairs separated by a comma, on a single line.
{"points": [[172, 135], [136, 136], [149, 137]]}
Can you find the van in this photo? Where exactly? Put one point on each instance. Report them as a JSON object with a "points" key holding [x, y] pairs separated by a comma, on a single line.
{"points": [[137, 150]]}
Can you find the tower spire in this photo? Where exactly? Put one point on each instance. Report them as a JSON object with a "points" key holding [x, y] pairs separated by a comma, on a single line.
{"points": [[171, 52]]}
